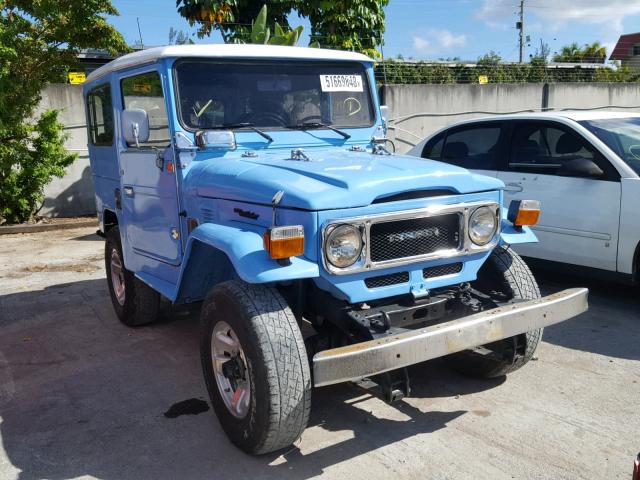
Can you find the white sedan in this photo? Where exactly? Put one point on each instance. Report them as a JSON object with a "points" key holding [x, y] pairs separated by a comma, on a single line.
{"points": [[584, 167]]}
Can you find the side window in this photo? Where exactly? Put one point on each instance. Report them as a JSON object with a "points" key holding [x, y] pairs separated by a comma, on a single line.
{"points": [[475, 147], [145, 91], [433, 149], [541, 148], [100, 116]]}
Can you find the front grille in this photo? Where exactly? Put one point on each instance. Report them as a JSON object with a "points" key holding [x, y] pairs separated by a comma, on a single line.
{"points": [[387, 280], [442, 270], [416, 236]]}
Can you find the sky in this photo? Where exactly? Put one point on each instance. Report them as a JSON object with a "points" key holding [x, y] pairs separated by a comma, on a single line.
{"points": [[434, 29]]}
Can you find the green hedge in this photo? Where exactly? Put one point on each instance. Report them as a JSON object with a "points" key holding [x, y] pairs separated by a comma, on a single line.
{"points": [[396, 72]]}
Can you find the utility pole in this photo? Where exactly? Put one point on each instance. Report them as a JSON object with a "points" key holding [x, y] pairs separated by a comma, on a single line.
{"points": [[520, 27]]}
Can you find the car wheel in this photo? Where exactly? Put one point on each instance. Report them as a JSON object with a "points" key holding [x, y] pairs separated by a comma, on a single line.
{"points": [[504, 274], [134, 302], [255, 366]]}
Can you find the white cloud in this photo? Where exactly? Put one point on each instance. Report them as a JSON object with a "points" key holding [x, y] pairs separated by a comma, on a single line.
{"points": [[446, 39], [560, 12], [420, 44], [438, 41]]}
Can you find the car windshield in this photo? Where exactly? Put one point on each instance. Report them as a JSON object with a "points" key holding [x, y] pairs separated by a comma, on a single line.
{"points": [[273, 95], [622, 135]]}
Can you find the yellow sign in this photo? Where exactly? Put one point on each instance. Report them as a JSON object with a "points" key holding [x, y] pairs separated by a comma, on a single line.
{"points": [[76, 78], [142, 87], [483, 79]]}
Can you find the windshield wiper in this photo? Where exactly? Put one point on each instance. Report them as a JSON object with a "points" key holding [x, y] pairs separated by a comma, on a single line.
{"points": [[248, 125], [310, 125]]}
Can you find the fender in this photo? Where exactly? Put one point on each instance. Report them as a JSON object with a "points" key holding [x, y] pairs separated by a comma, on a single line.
{"points": [[510, 235], [216, 253]]}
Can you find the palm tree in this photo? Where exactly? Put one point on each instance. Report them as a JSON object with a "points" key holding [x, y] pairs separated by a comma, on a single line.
{"points": [[569, 53], [594, 53]]}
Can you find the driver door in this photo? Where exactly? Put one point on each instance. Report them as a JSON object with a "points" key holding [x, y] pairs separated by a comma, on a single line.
{"points": [[149, 189]]}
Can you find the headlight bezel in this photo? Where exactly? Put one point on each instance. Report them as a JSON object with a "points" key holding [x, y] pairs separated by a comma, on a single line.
{"points": [[335, 229], [491, 234]]}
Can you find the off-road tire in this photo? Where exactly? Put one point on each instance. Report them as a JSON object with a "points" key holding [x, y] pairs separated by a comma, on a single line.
{"points": [[504, 272], [141, 302], [277, 365]]}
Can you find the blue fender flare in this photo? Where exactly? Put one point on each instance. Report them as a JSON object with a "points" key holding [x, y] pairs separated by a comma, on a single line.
{"points": [[216, 252]]}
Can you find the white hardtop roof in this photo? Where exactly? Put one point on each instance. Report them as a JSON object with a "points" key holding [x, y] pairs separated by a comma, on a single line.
{"points": [[576, 115], [151, 55]]}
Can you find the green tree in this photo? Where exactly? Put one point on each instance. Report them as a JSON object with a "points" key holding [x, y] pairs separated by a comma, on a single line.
{"points": [[261, 33], [232, 18], [179, 37], [39, 41], [590, 53], [355, 25]]}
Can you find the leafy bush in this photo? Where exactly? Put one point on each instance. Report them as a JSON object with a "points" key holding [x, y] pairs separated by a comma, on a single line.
{"points": [[537, 71], [39, 41], [27, 164]]}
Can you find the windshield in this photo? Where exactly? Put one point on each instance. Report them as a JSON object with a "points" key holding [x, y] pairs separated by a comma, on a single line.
{"points": [[622, 135], [272, 95]]}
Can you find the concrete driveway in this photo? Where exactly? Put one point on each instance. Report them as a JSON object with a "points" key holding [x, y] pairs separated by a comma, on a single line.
{"points": [[82, 396]]}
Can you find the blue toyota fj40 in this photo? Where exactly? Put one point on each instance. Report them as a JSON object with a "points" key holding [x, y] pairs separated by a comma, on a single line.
{"points": [[256, 178]]}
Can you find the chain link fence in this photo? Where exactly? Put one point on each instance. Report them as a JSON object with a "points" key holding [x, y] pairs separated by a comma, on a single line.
{"points": [[395, 72]]}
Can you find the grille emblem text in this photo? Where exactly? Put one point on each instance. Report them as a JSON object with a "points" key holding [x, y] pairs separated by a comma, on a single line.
{"points": [[414, 235]]}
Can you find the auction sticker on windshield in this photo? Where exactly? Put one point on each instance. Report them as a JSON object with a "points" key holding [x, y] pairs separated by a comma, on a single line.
{"points": [[341, 83]]}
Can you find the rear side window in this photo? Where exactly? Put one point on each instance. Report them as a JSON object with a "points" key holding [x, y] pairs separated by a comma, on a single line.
{"points": [[100, 116], [145, 92], [473, 148]]}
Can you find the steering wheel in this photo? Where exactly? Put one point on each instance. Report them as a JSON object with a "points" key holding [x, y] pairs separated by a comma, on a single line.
{"points": [[266, 119], [310, 118]]}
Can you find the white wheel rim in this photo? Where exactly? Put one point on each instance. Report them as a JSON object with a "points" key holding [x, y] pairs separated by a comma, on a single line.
{"points": [[235, 390], [117, 276]]}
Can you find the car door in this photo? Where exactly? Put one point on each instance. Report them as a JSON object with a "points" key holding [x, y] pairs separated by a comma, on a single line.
{"points": [[476, 146], [580, 216], [149, 189]]}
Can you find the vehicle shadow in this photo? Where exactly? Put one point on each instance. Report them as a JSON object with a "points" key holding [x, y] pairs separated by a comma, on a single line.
{"points": [[81, 394], [611, 327]]}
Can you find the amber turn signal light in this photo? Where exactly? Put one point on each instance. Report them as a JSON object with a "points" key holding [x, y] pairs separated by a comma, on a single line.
{"points": [[524, 212], [284, 242]]}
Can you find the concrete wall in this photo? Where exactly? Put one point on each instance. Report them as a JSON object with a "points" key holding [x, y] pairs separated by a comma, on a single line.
{"points": [[415, 111], [73, 194]]}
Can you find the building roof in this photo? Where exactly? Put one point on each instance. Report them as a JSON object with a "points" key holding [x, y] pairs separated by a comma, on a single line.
{"points": [[151, 55], [622, 50]]}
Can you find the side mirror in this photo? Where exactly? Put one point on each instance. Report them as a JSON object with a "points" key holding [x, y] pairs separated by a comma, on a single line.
{"points": [[384, 113], [580, 167], [135, 126]]}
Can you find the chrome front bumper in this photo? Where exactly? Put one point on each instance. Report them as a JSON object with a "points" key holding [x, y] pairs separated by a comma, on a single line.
{"points": [[365, 359]]}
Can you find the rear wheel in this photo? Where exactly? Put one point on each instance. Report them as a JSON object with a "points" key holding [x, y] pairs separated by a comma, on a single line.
{"points": [[255, 366], [504, 275], [133, 300]]}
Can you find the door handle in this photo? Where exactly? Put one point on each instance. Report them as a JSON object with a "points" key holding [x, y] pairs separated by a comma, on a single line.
{"points": [[128, 191], [513, 188]]}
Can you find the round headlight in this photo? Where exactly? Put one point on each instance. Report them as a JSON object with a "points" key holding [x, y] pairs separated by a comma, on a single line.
{"points": [[343, 246], [482, 225]]}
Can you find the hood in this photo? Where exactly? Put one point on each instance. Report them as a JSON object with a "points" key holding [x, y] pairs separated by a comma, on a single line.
{"points": [[330, 178]]}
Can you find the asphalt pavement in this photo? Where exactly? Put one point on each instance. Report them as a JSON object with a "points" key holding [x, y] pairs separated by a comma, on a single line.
{"points": [[83, 396]]}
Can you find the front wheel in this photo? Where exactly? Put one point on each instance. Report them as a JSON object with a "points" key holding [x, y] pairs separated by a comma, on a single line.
{"points": [[505, 275], [255, 366]]}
